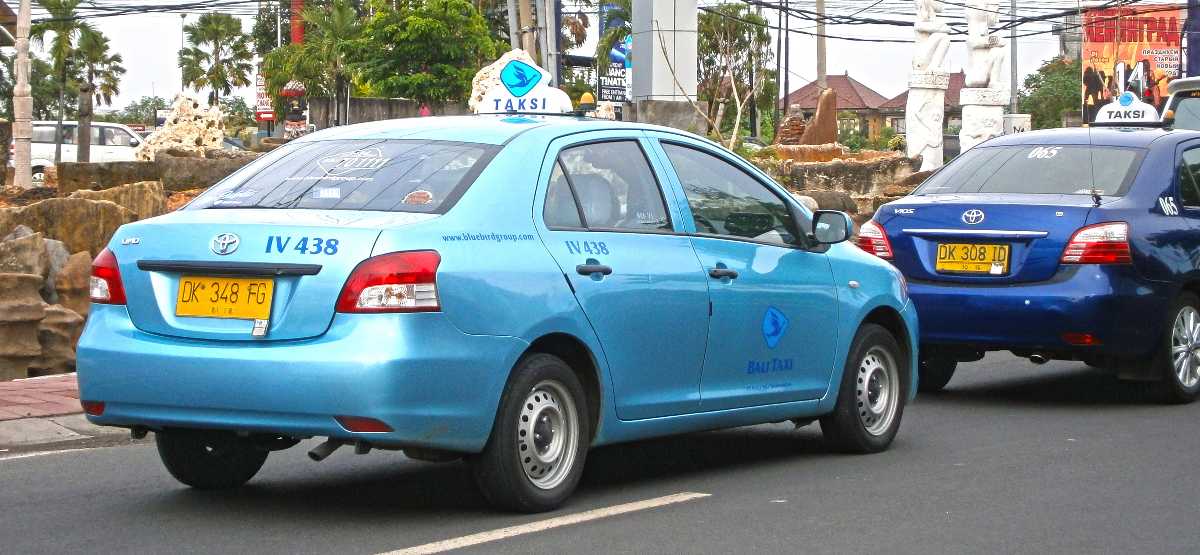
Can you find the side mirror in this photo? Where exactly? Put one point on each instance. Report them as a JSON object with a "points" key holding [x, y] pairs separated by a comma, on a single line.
{"points": [[831, 226], [134, 143]]}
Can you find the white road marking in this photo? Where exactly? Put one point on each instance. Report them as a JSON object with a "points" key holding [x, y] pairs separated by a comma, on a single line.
{"points": [[36, 454], [548, 524]]}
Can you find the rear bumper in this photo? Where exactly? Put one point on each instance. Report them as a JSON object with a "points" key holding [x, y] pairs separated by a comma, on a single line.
{"points": [[1113, 303], [435, 386]]}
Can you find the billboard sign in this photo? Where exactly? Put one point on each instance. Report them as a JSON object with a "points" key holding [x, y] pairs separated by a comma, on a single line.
{"points": [[263, 109], [613, 73], [1130, 49]]}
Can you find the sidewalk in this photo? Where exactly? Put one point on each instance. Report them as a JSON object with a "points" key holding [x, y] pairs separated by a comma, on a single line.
{"points": [[39, 411]]}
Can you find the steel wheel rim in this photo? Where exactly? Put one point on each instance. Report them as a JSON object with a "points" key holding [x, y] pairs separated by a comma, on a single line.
{"points": [[547, 434], [877, 391], [1185, 347]]}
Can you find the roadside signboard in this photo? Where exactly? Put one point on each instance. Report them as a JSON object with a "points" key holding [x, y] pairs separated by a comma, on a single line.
{"points": [[1132, 48], [263, 109]]}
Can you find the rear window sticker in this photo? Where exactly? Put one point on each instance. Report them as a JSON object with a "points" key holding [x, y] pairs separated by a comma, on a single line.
{"points": [[419, 196]]}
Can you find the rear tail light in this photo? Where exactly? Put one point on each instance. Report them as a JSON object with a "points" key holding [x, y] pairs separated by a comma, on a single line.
{"points": [[1081, 339], [1106, 243], [94, 408], [106, 287], [396, 282], [872, 239]]}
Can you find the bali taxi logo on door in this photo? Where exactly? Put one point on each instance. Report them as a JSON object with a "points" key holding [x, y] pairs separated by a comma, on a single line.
{"points": [[524, 88]]}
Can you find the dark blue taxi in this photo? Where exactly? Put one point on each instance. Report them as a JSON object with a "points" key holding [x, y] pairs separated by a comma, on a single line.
{"points": [[1068, 244]]}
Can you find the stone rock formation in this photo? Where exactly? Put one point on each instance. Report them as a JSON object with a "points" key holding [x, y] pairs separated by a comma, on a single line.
{"points": [[21, 310], [81, 224], [791, 130], [102, 175], [833, 200], [191, 127], [58, 333], [807, 201], [145, 198], [489, 76], [71, 285], [24, 252], [823, 129], [178, 173]]}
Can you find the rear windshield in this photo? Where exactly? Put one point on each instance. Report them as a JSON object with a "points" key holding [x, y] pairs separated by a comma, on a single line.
{"points": [[1187, 110], [388, 175], [1038, 169]]}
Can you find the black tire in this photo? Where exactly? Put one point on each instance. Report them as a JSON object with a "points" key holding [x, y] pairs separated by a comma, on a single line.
{"points": [[501, 469], [206, 459], [848, 427], [935, 373], [1172, 387]]}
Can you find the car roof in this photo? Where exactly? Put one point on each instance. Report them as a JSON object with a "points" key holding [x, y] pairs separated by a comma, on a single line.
{"points": [[494, 129], [76, 123], [1137, 137]]}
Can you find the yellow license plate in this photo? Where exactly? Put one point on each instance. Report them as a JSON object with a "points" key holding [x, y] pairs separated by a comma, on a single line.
{"points": [[972, 258], [225, 297]]}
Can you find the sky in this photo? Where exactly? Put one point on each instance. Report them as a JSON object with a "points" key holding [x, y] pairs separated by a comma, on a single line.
{"points": [[150, 43]]}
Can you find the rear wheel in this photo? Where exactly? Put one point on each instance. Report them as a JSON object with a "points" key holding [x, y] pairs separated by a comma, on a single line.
{"points": [[205, 459], [1181, 363], [873, 394], [535, 456], [935, 373]]}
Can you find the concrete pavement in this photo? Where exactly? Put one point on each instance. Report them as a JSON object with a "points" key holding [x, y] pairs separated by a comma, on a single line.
{"points": [[1013, 458]]}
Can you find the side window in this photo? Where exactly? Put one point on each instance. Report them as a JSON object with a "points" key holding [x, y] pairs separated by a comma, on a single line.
{"points": [[1189, 173], [727, 201], [43, 134], [614, 186], [115, 136], [560, 210]]}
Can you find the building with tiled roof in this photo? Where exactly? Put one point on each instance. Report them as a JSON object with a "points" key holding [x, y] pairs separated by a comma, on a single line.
{"points": [[858, 105]]}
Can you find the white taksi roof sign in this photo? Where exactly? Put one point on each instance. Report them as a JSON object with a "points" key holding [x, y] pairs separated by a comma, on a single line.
{"points": [[524, 88], [1127, 109]]}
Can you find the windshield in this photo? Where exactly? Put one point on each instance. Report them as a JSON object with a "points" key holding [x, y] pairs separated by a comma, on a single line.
{"points": [[1037, 169], [1187, 110], [383, 175]]}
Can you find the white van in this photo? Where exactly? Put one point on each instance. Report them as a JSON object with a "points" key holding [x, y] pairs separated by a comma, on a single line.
{"points": [[111, 142]]}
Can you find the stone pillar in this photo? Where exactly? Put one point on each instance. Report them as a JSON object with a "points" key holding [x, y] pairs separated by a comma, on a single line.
{"points": [[982, 116], [21, 312], [924, 116], [670, 24]]}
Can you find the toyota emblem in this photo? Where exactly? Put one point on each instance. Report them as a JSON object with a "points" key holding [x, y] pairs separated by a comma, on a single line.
{"points": [[225, 243], [973, 216]]}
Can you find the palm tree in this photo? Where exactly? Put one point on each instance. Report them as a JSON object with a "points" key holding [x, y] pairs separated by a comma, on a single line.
{"points": [[218, 55], [328, 39], [66, 27], [102, 73]]}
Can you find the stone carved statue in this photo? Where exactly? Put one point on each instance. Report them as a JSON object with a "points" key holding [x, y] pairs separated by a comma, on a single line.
{"points": [[986, 54], [926, 111], [933, 40]]}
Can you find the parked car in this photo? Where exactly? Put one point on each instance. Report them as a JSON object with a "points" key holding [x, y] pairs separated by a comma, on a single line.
{"points": [[1069, 244], [512, 290], [111, 142]]}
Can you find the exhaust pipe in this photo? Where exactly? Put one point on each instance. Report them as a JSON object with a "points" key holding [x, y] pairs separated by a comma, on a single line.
{"points": [[320, 452], [1039, 359]]}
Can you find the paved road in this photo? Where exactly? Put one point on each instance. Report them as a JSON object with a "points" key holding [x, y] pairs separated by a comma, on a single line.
{"points": [[1012, 458]]}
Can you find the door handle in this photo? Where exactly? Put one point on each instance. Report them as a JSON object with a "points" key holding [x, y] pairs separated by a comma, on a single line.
{"points": [[589, 269], [721, 273]]}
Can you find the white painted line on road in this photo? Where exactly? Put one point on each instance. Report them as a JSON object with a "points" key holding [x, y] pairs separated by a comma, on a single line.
{"points": [[36, 454], [548, 524]]}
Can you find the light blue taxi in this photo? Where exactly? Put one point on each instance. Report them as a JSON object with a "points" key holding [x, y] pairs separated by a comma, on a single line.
{"points": [[512, 290]]}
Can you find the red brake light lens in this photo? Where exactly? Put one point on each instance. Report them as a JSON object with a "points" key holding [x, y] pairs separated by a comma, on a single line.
{"points": [[106, 287], [1106, 243], [363, 424], [94, 408], [396, 282], [872, 239]]}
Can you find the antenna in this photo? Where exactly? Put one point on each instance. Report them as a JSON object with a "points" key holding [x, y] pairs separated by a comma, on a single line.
{"points": [[1096, 193]]}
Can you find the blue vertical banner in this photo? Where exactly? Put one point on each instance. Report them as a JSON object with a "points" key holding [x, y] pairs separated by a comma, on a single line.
{"points": [[1192, 36]]}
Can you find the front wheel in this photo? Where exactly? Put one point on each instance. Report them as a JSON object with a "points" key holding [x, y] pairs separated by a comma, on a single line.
{"points": [[206, 459], [535, 455], [1181, 366], [872, 396]]}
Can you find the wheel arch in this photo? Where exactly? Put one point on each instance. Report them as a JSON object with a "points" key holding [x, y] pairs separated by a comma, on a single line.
{"points": [[890, 319], [582, 361]]}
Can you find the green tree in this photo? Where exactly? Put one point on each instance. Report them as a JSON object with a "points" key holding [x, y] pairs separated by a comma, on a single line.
{"points": [[237, 113], [1052, 91], [732, 45], [101, 79], [427, 50], [323, 61], [144, 110], [66, 26], [217, 56], [618, 24], [263, 33]]}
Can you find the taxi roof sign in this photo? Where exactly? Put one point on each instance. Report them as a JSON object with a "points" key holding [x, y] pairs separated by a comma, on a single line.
{"points": [[1127, 110], [524, 88]]}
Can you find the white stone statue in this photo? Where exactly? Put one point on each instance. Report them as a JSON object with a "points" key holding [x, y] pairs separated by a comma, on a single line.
{"points": [[925, 111], [986, 54]]}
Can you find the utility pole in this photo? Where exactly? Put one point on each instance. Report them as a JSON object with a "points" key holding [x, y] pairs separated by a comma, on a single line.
{"points": [[528, 39], [787, 53], [780, 93], [514, 27], [822, 82], [278, 23], [22, 103], [1012, 59], [182, 45]]}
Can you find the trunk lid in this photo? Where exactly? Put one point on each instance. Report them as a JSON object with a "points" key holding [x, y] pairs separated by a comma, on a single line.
{"points": [[1034, 227], [306, 254]]}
